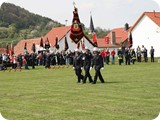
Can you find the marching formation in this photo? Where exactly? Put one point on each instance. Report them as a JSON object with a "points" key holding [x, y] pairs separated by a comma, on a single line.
{"points": [[88, 61]]}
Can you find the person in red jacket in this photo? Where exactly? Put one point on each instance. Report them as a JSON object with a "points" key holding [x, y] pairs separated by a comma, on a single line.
{"points": [[107, 56], [113, 56], [102, 53]]}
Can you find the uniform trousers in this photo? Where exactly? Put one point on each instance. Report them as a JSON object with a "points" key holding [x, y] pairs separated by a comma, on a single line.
{"points": [[98, 74], [79, 74], [87, 74]]}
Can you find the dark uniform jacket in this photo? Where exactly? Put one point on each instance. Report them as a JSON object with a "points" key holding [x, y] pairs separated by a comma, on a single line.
{"points": [[97, 62], [77, 62], [120, 54], [87, 60]]}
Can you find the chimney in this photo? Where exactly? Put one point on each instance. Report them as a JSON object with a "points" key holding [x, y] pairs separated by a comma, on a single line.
{"points": [[154, 13], [113, 38], [126, 26]]}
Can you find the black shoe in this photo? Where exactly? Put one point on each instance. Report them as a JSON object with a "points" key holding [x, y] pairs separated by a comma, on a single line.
{"points": [[78, 82], [103, 82]]}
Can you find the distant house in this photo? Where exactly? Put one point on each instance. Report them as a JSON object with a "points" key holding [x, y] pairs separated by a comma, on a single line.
{"points": [[61, 33], [118, 37], [146, 31], [19, 48]]}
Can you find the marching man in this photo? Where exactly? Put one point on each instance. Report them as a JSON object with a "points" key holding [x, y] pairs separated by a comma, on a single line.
{"points": [[87, 57], [77, 65], [98, 63]]}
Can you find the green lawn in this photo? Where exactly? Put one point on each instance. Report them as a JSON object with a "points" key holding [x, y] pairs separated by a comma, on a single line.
{"points": [[130, 93]]}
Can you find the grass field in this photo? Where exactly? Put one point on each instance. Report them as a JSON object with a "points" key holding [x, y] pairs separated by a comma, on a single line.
{"points": [[130, 93]]}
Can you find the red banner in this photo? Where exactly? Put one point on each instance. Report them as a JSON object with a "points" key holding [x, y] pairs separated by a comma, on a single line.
{"points": [[76, 33]]}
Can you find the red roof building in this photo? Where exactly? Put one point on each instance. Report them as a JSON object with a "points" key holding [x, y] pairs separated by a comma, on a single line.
{"points": [[19, 48], [59, 32], [116, 38]]}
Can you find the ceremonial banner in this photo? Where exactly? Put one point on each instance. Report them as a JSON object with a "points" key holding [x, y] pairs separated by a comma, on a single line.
{"points": [[41, 42], [95, 38], [130, 40], [107, 40], [25, 46], [66, 44], [57, 44], [11, 50], [78, 45], [76, 33], [83, 44], [47, 44], [34, 47], [7, 50]]}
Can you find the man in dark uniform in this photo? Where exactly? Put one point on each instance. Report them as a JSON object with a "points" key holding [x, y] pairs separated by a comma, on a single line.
{"points": [[133, 55], [87, 57], [33, 59], [127, 56], [97, 61], [152, 54], [145, 55], [48, 59], [77, 65], [120, 56]]}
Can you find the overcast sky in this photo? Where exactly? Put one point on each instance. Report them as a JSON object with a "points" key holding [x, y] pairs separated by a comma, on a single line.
{"points": [[106, 13]]}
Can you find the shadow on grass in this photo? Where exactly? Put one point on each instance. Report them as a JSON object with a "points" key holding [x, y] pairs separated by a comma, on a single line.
{"points": [[115, 82]]}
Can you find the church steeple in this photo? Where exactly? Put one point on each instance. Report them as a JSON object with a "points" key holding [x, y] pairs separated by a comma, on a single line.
{"points": [[92, 30]]}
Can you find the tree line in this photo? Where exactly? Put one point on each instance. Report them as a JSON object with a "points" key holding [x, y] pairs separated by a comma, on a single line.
{"points": [[16, 23]]}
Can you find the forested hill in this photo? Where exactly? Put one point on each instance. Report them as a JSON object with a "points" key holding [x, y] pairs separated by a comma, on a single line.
{"points": [[17, 23]]}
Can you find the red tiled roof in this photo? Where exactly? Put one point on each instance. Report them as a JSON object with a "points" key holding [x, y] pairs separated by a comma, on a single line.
{"points": [[2, 50], [102, 44], [19, 48], [121, 35], [154, 16], [51, 35], [60, 32]]}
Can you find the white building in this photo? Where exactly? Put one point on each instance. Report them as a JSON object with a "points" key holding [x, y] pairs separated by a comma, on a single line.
{"points": [[146, 31]]}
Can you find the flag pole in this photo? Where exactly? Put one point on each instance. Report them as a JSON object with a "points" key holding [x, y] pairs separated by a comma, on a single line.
{"points": [[66, 34], [66, 26]]}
